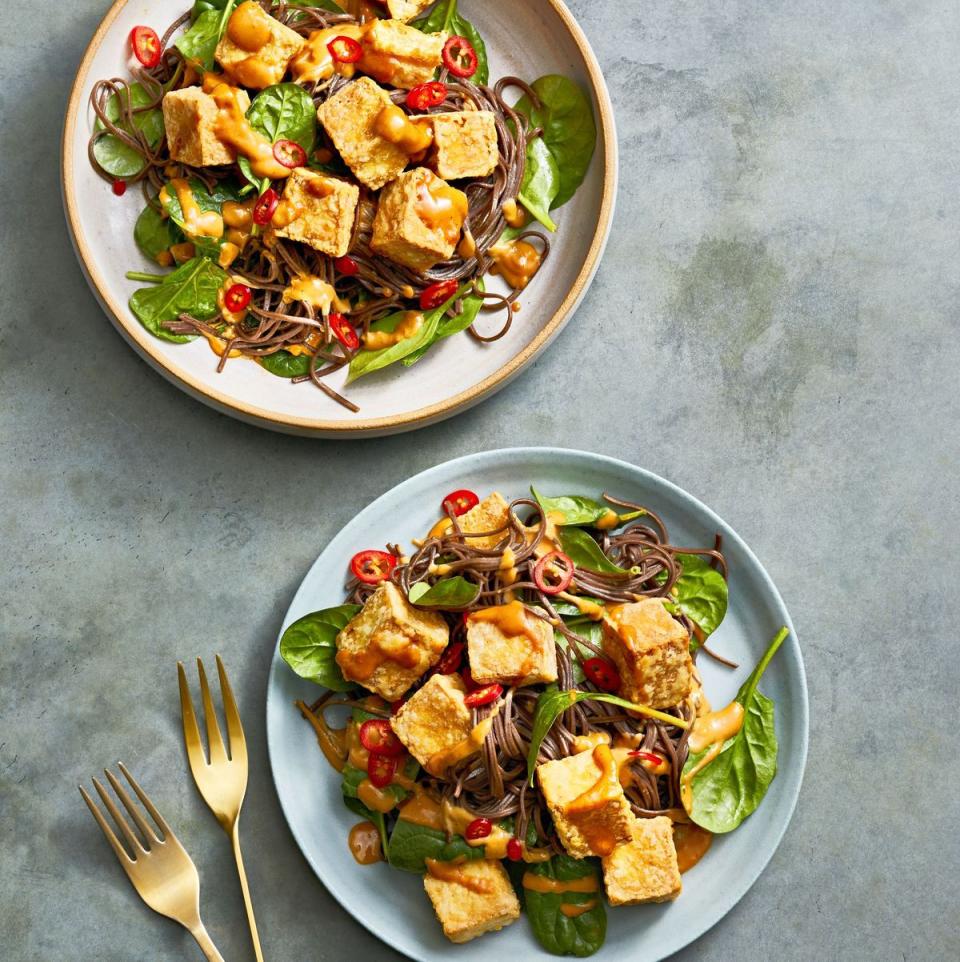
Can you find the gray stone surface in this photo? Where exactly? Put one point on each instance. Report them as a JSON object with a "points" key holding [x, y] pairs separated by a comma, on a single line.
{"points": [[777, 310]]}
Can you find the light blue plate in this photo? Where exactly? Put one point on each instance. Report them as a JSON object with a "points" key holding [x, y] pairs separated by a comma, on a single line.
{"points": [[309, 789]]}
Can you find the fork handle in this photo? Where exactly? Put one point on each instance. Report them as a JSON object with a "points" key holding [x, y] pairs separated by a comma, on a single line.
{"points": [[205, 943], [251, 921]]}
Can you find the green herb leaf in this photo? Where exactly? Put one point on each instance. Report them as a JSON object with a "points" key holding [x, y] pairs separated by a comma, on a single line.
{"points": [[285, 364], [155, 233], [282, 112], [199, 43], [445, 18], [206, 200], [410, 844], [541, 182], [701, 594], [451, 325], [449, 593], [116, 158], [585, 553], [309, 646], [575, 508], [730, 787]]}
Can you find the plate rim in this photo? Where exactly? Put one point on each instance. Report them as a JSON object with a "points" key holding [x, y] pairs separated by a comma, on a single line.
{"points": [[150, 349], [736, 892]]}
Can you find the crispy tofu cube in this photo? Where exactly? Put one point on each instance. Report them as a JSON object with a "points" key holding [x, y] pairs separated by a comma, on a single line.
{"points": [[349, 117], [435, 720], [652, 652], [390, 644], [190, 118], [590, 812], [321, 210], [471, 898], [406, 10], [402, 56], [418, 220], [489, 515], [644, 869], [248, 64], [509, 645], [464, 144]]}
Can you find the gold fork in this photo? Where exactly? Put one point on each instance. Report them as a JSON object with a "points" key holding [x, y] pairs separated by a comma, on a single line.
{"points": [[223, 780], [159, 869]]}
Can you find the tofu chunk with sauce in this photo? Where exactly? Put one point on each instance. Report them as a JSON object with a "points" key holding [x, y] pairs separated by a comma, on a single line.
{"points": [[583, 793], [390, 644], [464, 144], [255, 49], [418, 221], [318, 210], [645, 868], [471, 898], [491, 514], [190, 119], [509, 645], [651, 651], [406, 10], [397, 54]]}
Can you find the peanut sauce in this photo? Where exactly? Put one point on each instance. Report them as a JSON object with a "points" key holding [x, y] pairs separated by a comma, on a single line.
{"points": [[316, 292], [600, 840], [552, 886], [692, 843], [332, 741], [411, 322], [364, 841], [440, 206], [440, 761], [249, 27], [572, 909], [516, 262], [196, 223], [511, 619], [314, 63], [453, 872], [394, 125], [468, 246], [709, 731], [513, 213]]}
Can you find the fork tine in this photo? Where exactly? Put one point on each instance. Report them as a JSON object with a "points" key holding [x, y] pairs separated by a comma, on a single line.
{"points": [[148, 833], [191, 730], [238, 742], [122, 855], [118, 818], [147, 804], [214, 739]]}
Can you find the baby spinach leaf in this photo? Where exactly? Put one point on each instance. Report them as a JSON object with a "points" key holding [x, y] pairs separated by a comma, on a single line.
{"points": [[447, 593], [591, 631], [191, 289], [574, 508], [585, 553], [541, 182], [113, 155], [309, 646], [199, 43], [285, 364], [206, 200], [410, 844], [729, 788], [451, 325], [378, 819], [202, 6], [701, 594], [352, 777], [581, 935], [282, 112], [569, 131], [445, 18], [155, 233]]}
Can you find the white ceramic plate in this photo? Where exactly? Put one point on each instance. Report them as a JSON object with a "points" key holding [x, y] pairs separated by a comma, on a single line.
{"points": [[309, 789], [524, 39]]}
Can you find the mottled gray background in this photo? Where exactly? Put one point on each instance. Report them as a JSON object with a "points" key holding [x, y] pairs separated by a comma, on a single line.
{"points": [[778, 312]]}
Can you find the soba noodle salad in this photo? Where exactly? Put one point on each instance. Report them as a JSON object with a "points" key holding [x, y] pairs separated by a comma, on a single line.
{"points": [[524, 720], [331, 182]]}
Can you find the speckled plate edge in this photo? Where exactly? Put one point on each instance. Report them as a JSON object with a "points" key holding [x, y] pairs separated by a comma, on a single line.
{"points": [[789, 776]]}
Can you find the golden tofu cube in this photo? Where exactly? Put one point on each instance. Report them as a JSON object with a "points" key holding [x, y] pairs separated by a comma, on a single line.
{"points": [[190, 119], [321, 209], [509, 645], [583, 793], [406, 10], [390, 644], [349, 118], [651, 651], [644, 869], [464, 144], [401, 56], [418, 220], [471, 898], [245, 62], [491, 514], [435, 719]]}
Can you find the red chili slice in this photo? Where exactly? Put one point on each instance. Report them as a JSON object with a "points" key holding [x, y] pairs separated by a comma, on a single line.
{"points": [[468, 680], [345, 49], [145, 45], [265, 206], [427, 95], [376, 735], [236, 297], [459, 57], [372, 567], [540, 573], [119, 187], [436, 294], [451, 659], [289, 153], [461, 500], [514, 850], [346, 266], [483, 696], [344, 332], [602, 674], [478, 828], [381, 769], [647, 757]]}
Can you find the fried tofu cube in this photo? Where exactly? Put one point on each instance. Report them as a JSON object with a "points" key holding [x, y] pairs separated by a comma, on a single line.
{"points": [[418, 220], [190, 119], [406, 10], [464, 144], [349, 118], [491, 514], [256, 49], [321, 209], [471, 898], [402, 56], [583, 793], [435, 721], [390, 644], [509, 645], [645, 868], [651, 651]]}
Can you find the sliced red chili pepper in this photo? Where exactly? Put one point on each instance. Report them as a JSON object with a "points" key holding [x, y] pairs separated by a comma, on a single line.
{"points": [[345, 49], [289, 153], [540, 573], [459, 57], [483, 696], [602, 674], [514, 850], [468, 680], [265, 206], [647, 757], [425, 96], [451, 659], [236, 297], [346, 266], [478, 828], [436, 294], [376, 735], [344, 332], [381, 769], [461, 500], [119, 187], [145, 45], [372, 567]]}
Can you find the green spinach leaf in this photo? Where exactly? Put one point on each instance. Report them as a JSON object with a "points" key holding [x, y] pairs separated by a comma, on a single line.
{"points": [[575, 508], [352, 777], [199, 43], [445, 18], [451, 325], [285, 364], [701, 594], [155, 233], [113, 155], [559, 934], [410, 844], [541, 182], [585, 553], [206, 200], [282, 112], [447, 593], [309, 646]]}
